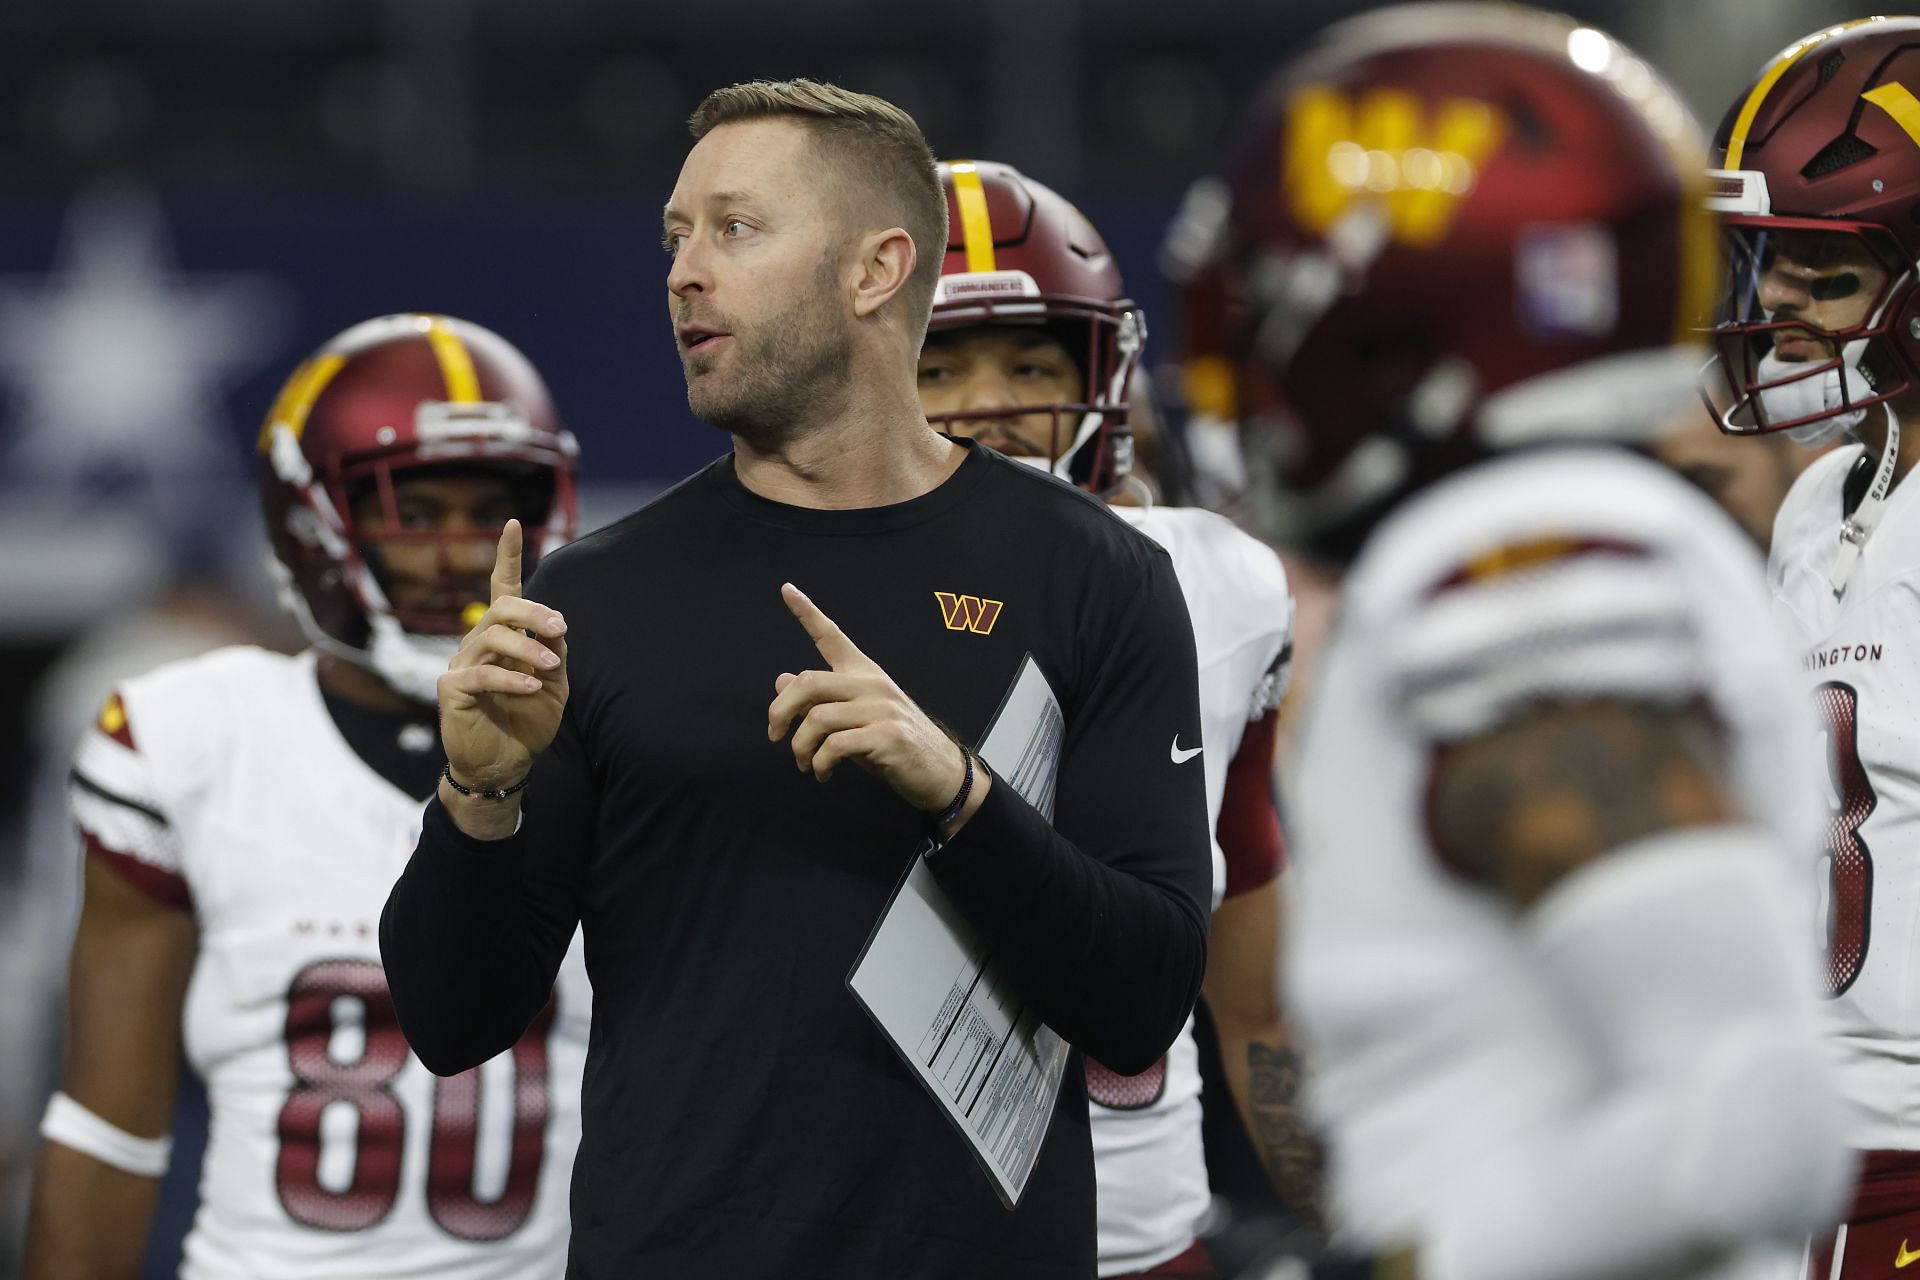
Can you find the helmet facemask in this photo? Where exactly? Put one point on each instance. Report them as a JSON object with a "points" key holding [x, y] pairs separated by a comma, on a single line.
{"points": [[443, 608], [1804, 338], [1087, 441]]}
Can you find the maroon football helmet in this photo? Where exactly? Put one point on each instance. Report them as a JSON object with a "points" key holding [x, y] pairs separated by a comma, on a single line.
{"points": [[1019, 253], [396, 396], [1457, 229], [1819, 194]]}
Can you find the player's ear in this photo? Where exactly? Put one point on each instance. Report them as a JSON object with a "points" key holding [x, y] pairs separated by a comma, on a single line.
{"points": [[884, 261]]}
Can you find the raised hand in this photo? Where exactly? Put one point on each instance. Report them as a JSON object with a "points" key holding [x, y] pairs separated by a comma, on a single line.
{"points": [[502, 695], [854, 711]]}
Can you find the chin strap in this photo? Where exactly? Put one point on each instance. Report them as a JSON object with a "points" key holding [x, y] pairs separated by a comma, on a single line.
{"points": [[1142, 495], [410, 664], [1859, 525]]}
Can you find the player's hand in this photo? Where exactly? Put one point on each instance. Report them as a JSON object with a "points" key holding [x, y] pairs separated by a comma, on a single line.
{"points": [[854, 711], [502, 695]]}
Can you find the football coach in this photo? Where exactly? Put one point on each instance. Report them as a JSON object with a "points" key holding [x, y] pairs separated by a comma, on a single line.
{"points": [[715, 734]]}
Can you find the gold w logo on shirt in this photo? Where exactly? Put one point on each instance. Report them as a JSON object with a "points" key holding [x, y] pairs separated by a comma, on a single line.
{"points": [[968, 613]]}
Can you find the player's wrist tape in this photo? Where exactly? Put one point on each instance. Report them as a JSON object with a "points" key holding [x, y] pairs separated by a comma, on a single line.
{"points": [[72, 1125], [501, 793], [952, 811]]}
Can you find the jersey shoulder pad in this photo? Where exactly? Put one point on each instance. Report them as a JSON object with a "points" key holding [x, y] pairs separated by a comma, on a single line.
{"points": [[158, 739], [199, 703], [1227, 573], [1254, 565]]}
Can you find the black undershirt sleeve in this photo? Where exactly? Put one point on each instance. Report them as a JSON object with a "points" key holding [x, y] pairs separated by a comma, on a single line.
{"points": [[475, 930], [1100, 920]]}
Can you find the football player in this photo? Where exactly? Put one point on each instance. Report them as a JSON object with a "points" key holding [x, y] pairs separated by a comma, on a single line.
{"points": [[1548, 819], [244, 815], [1819, 338], [1031, 350]]}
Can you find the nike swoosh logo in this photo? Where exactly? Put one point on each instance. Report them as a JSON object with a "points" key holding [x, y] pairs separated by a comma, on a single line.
{"points": [[1903, 1258], [1181, 757]]}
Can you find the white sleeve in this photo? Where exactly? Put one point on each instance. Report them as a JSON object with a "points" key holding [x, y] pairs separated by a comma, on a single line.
{"points": [[1237, 591], [1270, 688], [117, 802], [1714, 1122], [1271, 600]]}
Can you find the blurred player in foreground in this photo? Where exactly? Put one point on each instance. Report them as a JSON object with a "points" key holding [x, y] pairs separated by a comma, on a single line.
{"points": [[244, 815], [1030, 350], [1548, 958], [1819, 186]]}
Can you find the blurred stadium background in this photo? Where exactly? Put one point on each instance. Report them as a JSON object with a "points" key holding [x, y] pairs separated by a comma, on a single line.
{"points": [[193, 193]]}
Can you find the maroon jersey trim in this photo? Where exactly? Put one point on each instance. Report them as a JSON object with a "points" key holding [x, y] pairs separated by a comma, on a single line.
{"points": [[1249, 829], [167, 888]]}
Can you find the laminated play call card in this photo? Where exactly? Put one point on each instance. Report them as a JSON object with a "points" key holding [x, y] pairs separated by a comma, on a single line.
{"points": [[990, 1064]]}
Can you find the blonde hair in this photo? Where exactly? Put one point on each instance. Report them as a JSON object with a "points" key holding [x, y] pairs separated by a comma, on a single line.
{"points": [[876, 148]]}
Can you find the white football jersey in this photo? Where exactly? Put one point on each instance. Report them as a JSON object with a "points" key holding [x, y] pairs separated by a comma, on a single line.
{"points": [[1149, 1165], [1860, 658], [1564, 573], [222, 784]]}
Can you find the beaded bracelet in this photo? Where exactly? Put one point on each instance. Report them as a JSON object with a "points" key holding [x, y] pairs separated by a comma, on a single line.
{"points": [[959, 800], [446, 771]]}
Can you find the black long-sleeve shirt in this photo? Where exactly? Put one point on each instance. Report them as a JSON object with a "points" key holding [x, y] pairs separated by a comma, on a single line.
{"points": [[743, 1117]]}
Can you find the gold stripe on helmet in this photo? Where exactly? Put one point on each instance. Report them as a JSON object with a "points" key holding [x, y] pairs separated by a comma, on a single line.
{"points": [[976, 228], [1529, 553], [1697, 282], [1898, 101], [1737, 140], [297, 397], [456, 362]]}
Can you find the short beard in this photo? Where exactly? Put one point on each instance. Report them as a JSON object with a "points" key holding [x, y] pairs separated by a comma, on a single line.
{"points": [[791, 368]]}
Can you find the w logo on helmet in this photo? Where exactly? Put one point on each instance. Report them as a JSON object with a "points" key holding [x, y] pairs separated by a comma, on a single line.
{"points": [[1416, 160], [968, 613]]}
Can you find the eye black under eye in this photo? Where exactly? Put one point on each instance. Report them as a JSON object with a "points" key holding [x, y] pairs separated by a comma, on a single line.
{"points": [[1833, 288]]}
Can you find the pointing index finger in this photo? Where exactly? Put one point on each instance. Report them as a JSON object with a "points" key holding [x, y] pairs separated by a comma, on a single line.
{"points": [[506, 562], [827, 636]]}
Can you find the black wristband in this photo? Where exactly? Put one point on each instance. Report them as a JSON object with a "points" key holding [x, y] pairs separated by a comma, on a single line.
{"points": [[960, 798], [446, 771]]}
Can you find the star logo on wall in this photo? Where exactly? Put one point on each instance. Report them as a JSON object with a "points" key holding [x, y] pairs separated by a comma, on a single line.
{"points": [[115, 361], [115, 446]]}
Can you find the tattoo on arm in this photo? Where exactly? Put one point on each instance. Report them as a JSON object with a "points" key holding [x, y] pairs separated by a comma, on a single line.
{"points": [[1530, 801], [1287, 1147]]}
